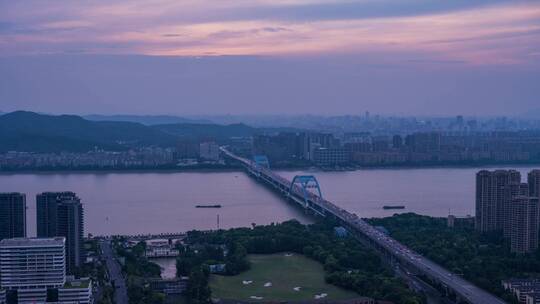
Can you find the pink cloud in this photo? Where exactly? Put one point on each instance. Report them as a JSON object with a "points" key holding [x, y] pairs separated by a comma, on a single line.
{"points": [[500, 34]]}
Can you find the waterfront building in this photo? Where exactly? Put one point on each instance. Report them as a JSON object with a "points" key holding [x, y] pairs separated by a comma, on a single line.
{"points": [[160, 248], [62, 214], [490, 194], [428, 142], [187, 149], [533, 178], [32, 263], [330, 156], [524, 219], [209, 151], [12, 215], [46, 209]]}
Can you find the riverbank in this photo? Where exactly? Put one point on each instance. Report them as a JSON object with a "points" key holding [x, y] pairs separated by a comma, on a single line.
{"points": [[233, 168]]}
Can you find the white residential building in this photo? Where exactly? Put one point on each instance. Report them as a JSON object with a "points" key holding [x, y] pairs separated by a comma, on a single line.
{"points": [[32, 263]]}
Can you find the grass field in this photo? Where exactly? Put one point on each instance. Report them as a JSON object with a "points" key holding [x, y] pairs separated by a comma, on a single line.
{"points": [[284, 273]]}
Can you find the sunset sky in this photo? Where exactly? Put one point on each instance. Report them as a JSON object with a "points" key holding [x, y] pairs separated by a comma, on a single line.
{"points": [[186, 57]]}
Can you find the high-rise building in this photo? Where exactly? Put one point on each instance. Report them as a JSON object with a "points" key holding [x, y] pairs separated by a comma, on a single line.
{"points": [[397, 141], [511, 191], [485, 206], [501, 180], [490, 195], [12, 215], [533, 178], [62, 214], [524, 224], [31, 266], [46, 205]]}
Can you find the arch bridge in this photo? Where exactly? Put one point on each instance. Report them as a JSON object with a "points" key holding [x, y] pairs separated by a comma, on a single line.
{"points": [[299, 191]]}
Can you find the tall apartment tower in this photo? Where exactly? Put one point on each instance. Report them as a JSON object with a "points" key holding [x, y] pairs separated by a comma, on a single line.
{"points": [[490, 196], [31, 266], [62, 214], [12, 215], [511, 191], [524, 221], [46, 209], [533, 178]]}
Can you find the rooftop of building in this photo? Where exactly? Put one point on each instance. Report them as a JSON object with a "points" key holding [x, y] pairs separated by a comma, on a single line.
{"points": [[77, 283], [12, 194], [24, 242]]}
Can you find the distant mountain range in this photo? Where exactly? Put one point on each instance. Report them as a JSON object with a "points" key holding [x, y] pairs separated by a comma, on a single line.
{"points": [[33, 132], [28, 131], [146, 119]]}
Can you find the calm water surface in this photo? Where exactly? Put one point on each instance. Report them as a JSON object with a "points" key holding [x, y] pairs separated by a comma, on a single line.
{"points": [[132, 203], [429, 191]]}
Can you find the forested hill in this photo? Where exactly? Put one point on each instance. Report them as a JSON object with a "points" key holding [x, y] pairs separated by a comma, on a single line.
{"points": [[28, 131], [33, 132]]}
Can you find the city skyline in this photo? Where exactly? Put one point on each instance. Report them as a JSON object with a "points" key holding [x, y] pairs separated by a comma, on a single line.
{"points": [[289, 57], [270, 151]]}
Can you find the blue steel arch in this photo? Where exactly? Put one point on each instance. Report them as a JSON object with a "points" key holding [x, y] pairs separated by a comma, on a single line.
{"points": [[306, 182], [261, 161]]}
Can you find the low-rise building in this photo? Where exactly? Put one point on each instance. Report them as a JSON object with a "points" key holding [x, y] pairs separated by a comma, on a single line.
{"points": [[209, 151], [170, 286], [160, 248], [527, 291], [330, 156], [31, 295], [76, 291]]}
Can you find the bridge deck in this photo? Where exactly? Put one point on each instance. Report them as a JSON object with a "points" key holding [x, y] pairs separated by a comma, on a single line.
{"points": [[461, 287]]}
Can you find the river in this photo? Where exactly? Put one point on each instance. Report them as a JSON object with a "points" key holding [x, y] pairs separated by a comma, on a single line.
{"points": [[134, 203]]}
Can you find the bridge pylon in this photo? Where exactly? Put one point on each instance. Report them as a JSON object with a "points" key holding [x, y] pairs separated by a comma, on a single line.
{"points": [[306, 182]]}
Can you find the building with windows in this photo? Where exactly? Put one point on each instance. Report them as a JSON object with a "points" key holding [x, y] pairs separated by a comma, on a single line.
{"points": [[62, 214], [524, 219], [31, 266], [12, 215], [511, 192], [330, 156], [527, 291], [209, 151], [533, 179], [76, 291], [490, 195]]}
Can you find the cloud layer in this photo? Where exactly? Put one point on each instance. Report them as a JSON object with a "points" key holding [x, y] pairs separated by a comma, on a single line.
{"points": [[478, 33]]}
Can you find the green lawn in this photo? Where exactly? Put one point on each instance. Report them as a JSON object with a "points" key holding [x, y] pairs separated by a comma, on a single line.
{"points": [[285, 273]]}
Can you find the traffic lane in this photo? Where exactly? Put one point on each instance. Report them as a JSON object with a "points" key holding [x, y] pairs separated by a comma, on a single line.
{"points": [[115, 272]]}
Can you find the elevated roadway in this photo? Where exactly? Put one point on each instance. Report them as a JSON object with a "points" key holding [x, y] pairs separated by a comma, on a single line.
{"points": [[464, 291]]}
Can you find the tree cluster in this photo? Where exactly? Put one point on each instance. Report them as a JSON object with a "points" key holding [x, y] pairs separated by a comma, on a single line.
{"points": [[483, 259], [346, 262]]}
